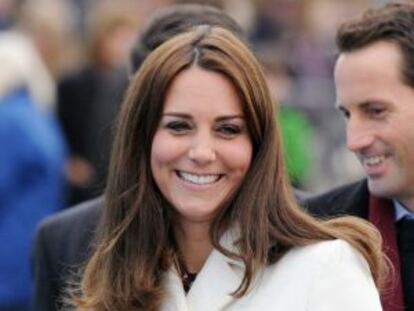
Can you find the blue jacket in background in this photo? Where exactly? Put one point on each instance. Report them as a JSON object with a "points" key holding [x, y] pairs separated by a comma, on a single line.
{"points": [[32, 155]]}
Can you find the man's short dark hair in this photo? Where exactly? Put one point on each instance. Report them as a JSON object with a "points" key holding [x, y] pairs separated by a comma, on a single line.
{"points": [[177, 19], [393, 22]]}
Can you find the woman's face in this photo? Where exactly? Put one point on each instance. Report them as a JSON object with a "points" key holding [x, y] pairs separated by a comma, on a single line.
{"points": [[201, 150]]}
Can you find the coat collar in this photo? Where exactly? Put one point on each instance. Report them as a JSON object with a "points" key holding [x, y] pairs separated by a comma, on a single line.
{"points": [[212, 289]]}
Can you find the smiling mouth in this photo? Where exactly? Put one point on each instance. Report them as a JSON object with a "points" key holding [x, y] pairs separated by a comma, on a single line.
{"points": [[373, 161], [198, 179]]}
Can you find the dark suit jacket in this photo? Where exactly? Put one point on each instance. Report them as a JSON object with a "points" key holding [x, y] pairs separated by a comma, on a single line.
{"points": [[63, 241], [351, 199]]}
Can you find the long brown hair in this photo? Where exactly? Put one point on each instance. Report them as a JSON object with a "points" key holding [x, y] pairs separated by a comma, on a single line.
{"points": [[135, 244]]}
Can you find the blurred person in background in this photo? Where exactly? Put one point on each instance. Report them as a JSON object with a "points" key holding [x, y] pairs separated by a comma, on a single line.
{"points": [[313, 58], [297, 130], [32, 156], [305, 30], [50, 25], [214, 3], [374, 76], [275, 20], [64, 241], [88, 100], [8, 13]]}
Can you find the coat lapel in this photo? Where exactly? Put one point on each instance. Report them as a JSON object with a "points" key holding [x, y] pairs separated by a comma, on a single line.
{"points": [[176, 299], [212, 289]]}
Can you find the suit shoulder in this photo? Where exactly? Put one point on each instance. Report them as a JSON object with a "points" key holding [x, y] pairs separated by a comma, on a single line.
{"points": [[337, 192], [349, 199], [85, 214]]}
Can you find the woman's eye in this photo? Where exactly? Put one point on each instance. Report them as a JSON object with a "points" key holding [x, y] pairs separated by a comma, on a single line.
{"points": [[178, 126], [229, 130]]}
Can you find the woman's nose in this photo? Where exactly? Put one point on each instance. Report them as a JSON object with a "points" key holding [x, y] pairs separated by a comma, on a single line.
{"points": [[202, 152]]}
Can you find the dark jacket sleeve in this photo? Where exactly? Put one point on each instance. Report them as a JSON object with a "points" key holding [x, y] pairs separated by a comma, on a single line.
{"points": [[45, 291], [63, 244]]}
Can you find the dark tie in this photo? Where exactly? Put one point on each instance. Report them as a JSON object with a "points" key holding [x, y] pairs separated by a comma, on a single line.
{"points": [[405, 236]]}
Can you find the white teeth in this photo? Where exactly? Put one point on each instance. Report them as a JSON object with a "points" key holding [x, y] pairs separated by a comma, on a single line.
{"points": [[198, 179], [371, 161]]}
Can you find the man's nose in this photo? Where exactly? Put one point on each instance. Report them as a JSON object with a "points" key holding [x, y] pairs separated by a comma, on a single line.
{"points": [[358, 135]]}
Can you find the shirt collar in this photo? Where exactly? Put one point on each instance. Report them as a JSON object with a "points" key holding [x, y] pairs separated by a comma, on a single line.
{"points": [[401, 211]]}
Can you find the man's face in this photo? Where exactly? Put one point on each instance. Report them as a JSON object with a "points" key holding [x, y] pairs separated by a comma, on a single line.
{"points": [[379, 108]]}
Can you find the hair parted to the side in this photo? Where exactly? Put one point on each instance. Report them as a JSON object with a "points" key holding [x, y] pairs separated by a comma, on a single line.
{"points": [[393, 22], [177, 19], [135, 245]]}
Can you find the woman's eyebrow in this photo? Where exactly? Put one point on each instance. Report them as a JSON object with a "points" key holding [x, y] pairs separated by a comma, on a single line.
{"points": [[230, 117], [177, 114], [188, 116]]}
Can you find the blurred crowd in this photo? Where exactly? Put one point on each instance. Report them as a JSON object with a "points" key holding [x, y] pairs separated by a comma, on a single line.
{"points": [[64, 69], [85, 45]]}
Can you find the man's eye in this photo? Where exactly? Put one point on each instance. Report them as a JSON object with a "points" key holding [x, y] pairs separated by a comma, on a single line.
{"points": [[345, 113], [178, 126], [229, 130], [376, 112]]}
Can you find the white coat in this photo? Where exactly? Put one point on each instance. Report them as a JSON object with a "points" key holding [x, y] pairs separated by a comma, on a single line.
{"points": [[325, 276]]}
